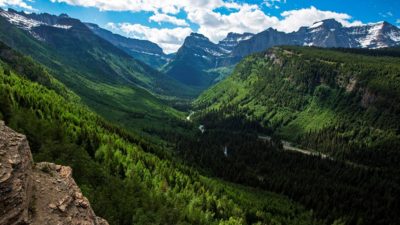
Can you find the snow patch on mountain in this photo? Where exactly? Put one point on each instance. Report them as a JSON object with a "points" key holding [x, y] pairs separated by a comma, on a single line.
{"points": [[330, 33], [395, 36], [245, 38], [373, 32], [20, 21], [317, 24], [65, 27], [26, 23]]}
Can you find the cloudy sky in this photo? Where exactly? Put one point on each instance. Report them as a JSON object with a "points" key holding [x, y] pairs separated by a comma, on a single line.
{"points": [[168, 22]]}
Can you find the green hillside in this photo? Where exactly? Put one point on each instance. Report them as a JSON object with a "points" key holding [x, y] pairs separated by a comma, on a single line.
{"points": [[108, 80], [127, 179], [343, 103], [325, 100], [295, 135]]}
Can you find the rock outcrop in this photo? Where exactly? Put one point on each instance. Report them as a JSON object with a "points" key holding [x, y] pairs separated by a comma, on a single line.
{"points": [[15, 177], [38, 194]]}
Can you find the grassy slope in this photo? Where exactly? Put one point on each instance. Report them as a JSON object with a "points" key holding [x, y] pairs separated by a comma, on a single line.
{"points": [[125, 182], [300, 90], [221, 72]]}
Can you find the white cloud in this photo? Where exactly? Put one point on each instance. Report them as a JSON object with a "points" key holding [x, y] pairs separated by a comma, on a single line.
{"points": [[15, 3], [164, 6], [250, 18], [386, 14], [159, 18], [294, 19], [272, 3], [246, 18], [112, 26], [168, 39], [216, 26]]}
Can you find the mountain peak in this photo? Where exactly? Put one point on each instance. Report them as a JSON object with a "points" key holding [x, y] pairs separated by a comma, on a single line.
{"points": [[387, 24], [12, 10], [327, 24], [63, 15], [198, 36], [196, 40], [330, 21]]}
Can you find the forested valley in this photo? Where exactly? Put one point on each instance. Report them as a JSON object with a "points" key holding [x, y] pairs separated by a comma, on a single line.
{"points": [[341, 103], [213, 167], [128, 179]]}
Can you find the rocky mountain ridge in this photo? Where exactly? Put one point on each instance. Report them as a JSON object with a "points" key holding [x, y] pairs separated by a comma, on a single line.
{"points": [[38, 194], [233, 39], [327, 34], [143, 50]]}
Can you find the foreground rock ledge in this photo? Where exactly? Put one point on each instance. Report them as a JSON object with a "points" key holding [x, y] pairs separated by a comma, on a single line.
{"points": [[38, 194]]}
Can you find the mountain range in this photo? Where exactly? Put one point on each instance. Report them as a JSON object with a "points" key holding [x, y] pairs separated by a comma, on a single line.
{"points": [[307, 133], [199, 62], [327, 33]]}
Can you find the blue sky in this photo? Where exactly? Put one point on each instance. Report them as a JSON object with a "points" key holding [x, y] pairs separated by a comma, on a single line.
{"points": [[168, 22]]}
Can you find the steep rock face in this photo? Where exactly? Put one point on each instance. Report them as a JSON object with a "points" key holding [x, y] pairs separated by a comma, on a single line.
{"points": [[57, 199], [44, 193], [15, 173]]}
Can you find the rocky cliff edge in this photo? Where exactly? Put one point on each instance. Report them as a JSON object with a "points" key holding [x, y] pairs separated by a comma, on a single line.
{"points": [[38, 194]]}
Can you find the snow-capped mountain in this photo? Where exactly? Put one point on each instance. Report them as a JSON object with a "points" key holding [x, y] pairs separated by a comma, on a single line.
{"points": [[378, 35], [38, 25], [327, 33], [21, 21], [330, 33], [29, 21]]}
